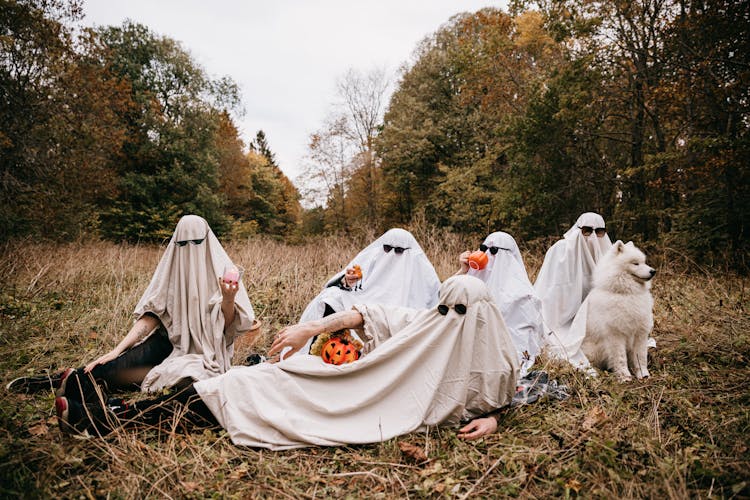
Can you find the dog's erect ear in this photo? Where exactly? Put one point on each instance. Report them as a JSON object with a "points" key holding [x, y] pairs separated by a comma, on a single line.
{"points": [[629, 244], [619, 246]]}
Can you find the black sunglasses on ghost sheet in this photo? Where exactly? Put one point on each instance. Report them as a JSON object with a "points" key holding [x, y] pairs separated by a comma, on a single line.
{"points": [[493, 250], [194, 242], [443, 309], [587, 230], [398, 250]]}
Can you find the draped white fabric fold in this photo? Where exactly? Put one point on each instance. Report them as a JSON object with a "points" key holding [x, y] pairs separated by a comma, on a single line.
{"points": [[421, 369], [564, 281], [406, 279], [184, 294], [505, 276]]}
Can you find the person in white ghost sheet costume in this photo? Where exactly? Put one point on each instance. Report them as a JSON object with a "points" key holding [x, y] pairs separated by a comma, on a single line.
{"points": [[186, 322], [395, 270], [564, 281], [505, 276], [421, 368]]}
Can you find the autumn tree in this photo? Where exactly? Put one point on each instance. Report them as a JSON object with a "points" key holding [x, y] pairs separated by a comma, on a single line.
{"points": [[424, 125], [361, 109], [60, 135], [170, 164], [479, 133], [328, 170], [342, 166], [274, 203], [234, 171]]}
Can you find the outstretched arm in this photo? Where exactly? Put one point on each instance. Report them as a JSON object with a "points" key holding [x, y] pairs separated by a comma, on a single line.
{"points": [[145, 325], [296, 336]]}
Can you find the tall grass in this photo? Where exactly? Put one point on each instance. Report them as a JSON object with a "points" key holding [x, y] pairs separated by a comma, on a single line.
{"points": [[681, 433]]}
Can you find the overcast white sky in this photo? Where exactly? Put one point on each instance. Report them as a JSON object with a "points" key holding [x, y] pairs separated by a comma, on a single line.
{"points": [[286, 55]]}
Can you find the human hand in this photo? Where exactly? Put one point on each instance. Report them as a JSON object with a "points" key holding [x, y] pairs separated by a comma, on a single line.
{"points": [[463, 261], [477, 428], [101, 360], [294, 337], [352, 276], [228, 290]]}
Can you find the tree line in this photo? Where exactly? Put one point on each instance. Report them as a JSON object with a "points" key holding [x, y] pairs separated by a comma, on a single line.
{"points": [[117, 132], [516, 120], [522, 120]]}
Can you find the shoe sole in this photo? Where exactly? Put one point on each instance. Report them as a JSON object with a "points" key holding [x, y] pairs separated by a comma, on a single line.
{"points": [[9, 386], [37, 383]]}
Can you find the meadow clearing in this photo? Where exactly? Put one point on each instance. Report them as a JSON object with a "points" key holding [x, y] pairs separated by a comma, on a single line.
{"points": [[681, 433]]}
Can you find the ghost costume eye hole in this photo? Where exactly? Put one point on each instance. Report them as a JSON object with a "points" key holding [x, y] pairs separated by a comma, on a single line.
{"points": [[459, 308]]}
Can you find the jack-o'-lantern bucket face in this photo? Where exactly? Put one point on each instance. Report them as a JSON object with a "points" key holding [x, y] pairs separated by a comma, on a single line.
{"points": [[338, 351]]}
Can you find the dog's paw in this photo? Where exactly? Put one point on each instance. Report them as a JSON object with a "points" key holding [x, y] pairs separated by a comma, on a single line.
{"points": [[644, 374], [623, 377]]}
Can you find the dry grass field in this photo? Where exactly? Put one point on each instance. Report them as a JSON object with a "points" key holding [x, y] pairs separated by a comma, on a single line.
{"points": [[684, 432]]}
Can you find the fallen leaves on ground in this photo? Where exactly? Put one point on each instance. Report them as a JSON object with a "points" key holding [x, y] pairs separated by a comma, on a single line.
{"points": [[412, 452]]}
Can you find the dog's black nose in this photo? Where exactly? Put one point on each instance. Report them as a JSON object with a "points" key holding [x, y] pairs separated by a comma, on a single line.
{"points": [[652, 272]]}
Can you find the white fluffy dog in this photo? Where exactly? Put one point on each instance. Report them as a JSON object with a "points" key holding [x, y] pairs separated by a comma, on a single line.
{"points": [[620, 312]]}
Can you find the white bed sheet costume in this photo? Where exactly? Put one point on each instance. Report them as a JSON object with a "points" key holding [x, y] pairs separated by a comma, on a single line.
{"points": [[420, 369], [564, 281], [505, 276], [407, 279], [184, 294]]}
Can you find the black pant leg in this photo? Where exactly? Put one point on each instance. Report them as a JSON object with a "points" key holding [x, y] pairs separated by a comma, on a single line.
{"points": [[184, 403], [146, 355]]}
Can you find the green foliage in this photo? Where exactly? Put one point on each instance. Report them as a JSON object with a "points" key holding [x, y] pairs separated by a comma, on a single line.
{"points": [[313, 221], [464, 200], [274, 204], [425, 125], [260, 145], [171, 164], [59, 133], [708, 219], [117, 133], [638, 111]]}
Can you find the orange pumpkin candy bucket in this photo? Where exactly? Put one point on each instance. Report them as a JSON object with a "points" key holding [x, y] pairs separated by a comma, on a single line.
{"points": [[338, 350]]}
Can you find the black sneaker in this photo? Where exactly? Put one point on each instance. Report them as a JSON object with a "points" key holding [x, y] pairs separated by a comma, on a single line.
{"points": [[75, 418], [78, 386], [117, 405], [37, 383]]}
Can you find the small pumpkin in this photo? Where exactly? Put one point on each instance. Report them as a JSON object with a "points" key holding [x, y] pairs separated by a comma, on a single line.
{"points": [[338, 351], [478, 260]]}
